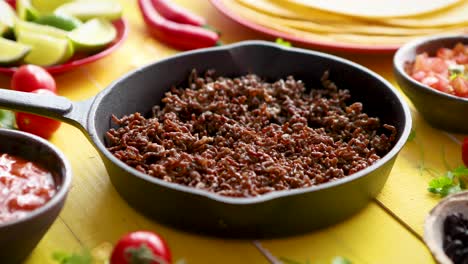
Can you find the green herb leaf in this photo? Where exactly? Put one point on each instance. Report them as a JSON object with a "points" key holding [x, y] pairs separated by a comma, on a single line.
{"points": [[7, 119], [456, 69], [73, 258], [412, 135], [453, 76], [341, 260], [283, 42], [460, 171], [452, 182]]}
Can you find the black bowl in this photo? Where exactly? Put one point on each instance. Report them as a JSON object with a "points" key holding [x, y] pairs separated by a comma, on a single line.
{"points": [[19, 237], [441, 110]]}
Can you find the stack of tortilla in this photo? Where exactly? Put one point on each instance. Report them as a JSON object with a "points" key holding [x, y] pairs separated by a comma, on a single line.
{"points": [[370, 22]]}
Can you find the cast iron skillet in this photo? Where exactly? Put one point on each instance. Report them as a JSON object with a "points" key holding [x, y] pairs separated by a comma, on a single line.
{"points": [[274, 214]]}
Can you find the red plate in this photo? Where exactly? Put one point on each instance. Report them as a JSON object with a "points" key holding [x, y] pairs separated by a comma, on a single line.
{"points": [[78, 60], [335, 46]]}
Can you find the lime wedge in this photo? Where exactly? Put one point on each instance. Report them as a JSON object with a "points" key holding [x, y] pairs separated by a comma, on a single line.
{"points": [[26, 11], [45, 50], [7, 14], [63, 22], [93, 35], [48, 6], [23, 27], [86, 10], [12, 51]]}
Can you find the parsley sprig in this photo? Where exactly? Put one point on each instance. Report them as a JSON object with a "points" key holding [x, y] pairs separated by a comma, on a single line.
{"points": [[452, 182]]}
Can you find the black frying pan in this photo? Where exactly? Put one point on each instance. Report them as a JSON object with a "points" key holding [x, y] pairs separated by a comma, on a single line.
{"points": [[274, 214]]}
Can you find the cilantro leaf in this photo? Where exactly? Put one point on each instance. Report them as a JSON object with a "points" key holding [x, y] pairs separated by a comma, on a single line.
{"points": [[460, 171], [67, 258], [452, 182], [283, 42], [456, 70]]}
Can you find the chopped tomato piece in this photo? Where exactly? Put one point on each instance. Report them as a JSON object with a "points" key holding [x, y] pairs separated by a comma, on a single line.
{"points": [[459, 48], [428, 64], [438, 82], [419, 76], [438, 65], [430, 80], [460, 85], [446, 72], [445, 53], [461, 58], [420, 63]]}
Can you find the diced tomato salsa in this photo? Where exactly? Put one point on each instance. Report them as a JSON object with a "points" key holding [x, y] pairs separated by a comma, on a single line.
{"points": [[24, 186], [447, 71]]}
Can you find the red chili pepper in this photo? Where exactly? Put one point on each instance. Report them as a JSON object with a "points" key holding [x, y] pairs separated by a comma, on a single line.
{"points": [[465, 151], [181, 36], [12, 3], [176, 13]]}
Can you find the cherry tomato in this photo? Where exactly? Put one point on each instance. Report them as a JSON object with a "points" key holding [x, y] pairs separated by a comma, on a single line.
{"points": [[465, 151], [31, 77], [141, 247], [37, 125]]}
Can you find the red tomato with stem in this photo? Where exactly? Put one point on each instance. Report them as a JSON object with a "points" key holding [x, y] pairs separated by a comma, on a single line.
{"points": [[141, 247], [31, 77], [37, 125]]}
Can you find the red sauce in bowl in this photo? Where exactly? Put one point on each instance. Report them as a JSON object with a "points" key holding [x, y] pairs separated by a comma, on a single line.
{"points": [[24, 187]]}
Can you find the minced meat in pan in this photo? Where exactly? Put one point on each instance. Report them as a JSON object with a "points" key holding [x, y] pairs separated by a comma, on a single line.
{"points": [[244, 137]]}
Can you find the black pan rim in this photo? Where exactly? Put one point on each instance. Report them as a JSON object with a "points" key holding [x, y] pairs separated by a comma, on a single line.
{"points": [[407, 123]]}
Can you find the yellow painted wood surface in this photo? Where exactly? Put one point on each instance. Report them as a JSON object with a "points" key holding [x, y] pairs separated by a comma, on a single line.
{"points": [[387, 231]]}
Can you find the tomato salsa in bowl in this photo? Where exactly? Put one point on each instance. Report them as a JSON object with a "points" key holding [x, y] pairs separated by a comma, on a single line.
{"points": [[432, 72], [34, 181]]}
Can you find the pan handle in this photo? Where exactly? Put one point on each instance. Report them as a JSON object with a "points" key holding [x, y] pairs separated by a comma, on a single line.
{"points": [[56, 107]]}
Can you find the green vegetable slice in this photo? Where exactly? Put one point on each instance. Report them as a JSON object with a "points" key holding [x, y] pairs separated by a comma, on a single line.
{"points": [[93, 35], [7, 119], [85, 10], [12, 52], [63, 22], [26, 11]]}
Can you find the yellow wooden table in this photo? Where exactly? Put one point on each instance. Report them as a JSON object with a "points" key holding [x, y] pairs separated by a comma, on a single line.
{"points": [[388, 230]]}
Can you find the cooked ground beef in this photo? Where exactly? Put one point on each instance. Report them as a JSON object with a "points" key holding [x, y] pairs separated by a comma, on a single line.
{"points": [[245, 137]]}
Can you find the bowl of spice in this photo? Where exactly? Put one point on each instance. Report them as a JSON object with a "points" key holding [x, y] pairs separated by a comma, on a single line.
{"points": [[34, 181], [433, 73], [446, 230]]}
